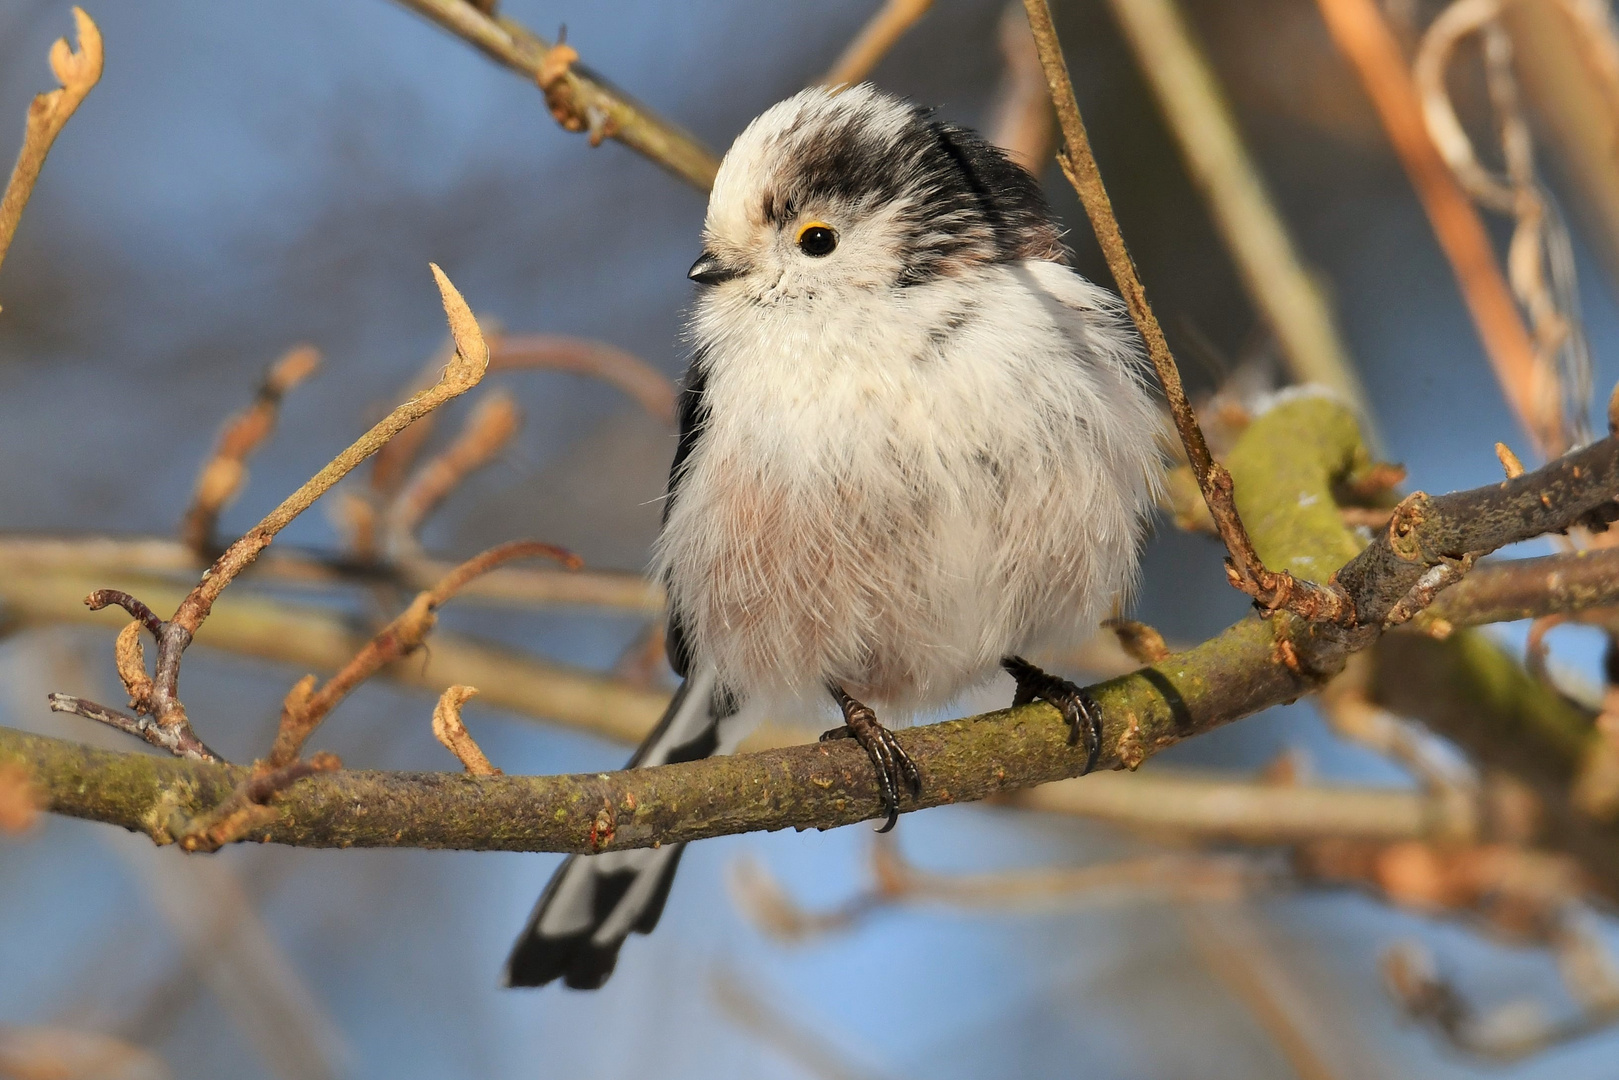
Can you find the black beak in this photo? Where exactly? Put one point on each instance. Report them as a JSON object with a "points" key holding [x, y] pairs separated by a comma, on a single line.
{"points": [[708, 270]]}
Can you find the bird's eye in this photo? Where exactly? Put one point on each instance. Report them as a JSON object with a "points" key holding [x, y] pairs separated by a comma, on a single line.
{"points": [[817, 238]]}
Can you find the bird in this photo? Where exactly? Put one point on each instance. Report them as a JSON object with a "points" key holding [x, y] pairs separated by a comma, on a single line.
{"points": [[914, 446]]}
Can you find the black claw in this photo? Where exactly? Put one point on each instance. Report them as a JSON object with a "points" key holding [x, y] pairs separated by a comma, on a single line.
{"points": [[1093, 728], [893, 765], [1084, 716]]}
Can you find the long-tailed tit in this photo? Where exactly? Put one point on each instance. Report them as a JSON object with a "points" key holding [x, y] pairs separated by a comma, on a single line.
{"points": [[914, 445]]}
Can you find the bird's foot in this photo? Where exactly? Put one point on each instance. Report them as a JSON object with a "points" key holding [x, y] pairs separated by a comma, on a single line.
{"points": [[894, 765], [1084, 716]]}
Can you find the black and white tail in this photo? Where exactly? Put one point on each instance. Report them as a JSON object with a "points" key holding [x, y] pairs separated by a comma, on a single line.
{"points": [[593, 902]]}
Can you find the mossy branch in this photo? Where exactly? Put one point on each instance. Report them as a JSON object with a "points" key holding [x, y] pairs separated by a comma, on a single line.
{"points": [[821, 785]]}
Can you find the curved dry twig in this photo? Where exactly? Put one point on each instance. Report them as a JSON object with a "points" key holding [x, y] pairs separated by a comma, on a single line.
{"points": [[48, 113], [452, 733]]}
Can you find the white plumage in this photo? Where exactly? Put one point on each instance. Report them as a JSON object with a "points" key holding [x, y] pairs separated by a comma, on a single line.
{"points": [[895, 488]]}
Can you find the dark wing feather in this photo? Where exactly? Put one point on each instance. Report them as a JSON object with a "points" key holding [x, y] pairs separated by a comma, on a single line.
{"points": [[692, 414]]}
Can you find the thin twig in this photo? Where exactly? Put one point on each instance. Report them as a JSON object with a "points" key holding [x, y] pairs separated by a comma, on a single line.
{"points": [[1246, 571], [48, 113], [179, 742], [103, 598], [1567, 54], [305, 708], [225, 472], [762, 1014], [312, 638], [360, 514], [874, 41], [1540, 266], [644, 660], [1501, 1036], [392, 464], [1450, 790], [40, 1052], [1519, 893], [1235, 950], [1369, 517], [249, 807], [222, 947], [1510, 589], [489, 429], [596, 359], [457, 579], [577, 98]]}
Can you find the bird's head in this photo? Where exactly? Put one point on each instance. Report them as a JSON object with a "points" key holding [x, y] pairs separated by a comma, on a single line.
{"points": [[832, 191]]}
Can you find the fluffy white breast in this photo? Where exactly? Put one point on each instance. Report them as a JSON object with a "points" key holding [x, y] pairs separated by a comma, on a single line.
{"points": [[894, 491]]}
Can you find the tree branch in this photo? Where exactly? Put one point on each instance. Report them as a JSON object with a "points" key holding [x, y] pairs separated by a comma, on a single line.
{"points": [[1213, 806], [493, 423], [1237, 673], [181, 742], [1515, 589], [1252, 665], [579, 99]]}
